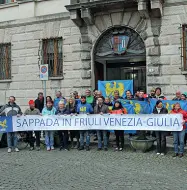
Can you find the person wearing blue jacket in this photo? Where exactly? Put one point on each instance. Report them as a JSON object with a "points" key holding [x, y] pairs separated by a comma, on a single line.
{"points": [[84, 108], [49, 135], [58, 98], [63, 134]]}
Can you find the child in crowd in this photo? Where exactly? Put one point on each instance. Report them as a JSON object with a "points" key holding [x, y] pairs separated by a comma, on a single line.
{"points": [[49, 135]]}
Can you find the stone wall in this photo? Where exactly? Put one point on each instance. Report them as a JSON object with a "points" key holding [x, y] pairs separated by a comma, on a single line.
{"points": [[170, 76], [25, 37]]}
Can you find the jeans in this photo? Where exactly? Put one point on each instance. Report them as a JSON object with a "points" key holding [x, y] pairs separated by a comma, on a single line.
{"points": [[179, 136], [119, 137], [63, 135], [82, 133], [12, 138], [105, 139], [161, 141], [49, 138]]}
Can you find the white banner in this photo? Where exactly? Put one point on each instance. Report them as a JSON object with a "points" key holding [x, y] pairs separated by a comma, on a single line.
{"points": [[148, 122]]}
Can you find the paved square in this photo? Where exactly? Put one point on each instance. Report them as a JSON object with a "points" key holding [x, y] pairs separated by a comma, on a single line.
{"points": [[81, 170]]}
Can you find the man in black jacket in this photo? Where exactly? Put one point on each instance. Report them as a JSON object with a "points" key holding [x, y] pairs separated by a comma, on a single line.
{"points": [[39, 102], [11, 109], [160, 135]]}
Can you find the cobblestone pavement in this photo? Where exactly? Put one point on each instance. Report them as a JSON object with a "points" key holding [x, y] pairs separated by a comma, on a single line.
{"points": [[81, 170]]}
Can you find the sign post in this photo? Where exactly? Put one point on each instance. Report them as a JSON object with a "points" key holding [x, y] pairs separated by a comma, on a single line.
{"points": [[44, 76]]}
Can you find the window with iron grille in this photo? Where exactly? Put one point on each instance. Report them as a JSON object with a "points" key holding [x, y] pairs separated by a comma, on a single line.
{"points": [[5, 61], [52, 55]]}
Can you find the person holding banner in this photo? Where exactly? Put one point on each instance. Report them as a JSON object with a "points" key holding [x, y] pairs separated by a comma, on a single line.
{"points": [[179, 135], [84, 108], [160, 135], [118, 109], [101, 108], [63, 134], [71, 107], [49, 135], [11, 109], [33, 111]]}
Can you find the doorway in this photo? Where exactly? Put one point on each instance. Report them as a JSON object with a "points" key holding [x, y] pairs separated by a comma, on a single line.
{"points": [[128, 71], [120, 54]]}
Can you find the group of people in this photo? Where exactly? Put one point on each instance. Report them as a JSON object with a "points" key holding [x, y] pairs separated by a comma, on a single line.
{"points": [[88, 104]]}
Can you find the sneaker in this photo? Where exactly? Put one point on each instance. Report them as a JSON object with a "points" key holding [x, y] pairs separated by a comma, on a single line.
{"points": [[52, 148], [9, 150], [31, 148], [181, 155], [162, 154], [99, 149], [105, 149], [81, 148], [66, 149], [38, 148], [87, 148], [72, 145], [116, 149], [120, 149], [16, 149], [175, 155], [158, 153], [48, 149]]}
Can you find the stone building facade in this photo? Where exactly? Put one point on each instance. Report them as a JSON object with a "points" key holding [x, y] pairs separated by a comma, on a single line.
{"points": [[157, 27]]}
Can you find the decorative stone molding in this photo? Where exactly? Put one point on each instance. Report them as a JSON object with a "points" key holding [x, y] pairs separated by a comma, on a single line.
{"points": [[156, 7]]}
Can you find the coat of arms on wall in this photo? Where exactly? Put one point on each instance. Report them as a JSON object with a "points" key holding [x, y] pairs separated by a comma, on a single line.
{"points": [[119, 44]]}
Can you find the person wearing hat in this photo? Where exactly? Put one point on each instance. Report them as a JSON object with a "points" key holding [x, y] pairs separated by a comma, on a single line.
{"points": [[84, 108], [33, 111], [152, 94], [160, 135]]}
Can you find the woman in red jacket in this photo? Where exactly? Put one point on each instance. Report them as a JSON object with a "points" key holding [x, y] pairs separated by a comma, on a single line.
{"points": [[179, 135], [118, 109]]}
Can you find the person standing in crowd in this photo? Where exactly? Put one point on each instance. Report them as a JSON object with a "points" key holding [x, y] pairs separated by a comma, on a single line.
{"points": [[11, 109], [179, 135], [76, 97], [129, 95], [100, 108], [49, 99], [158, 94], [39, 102], [71, 107], [137, 94], [63, 134], [183, 97], [160, 135], [58, 98], [89, 97], [84, 108], [152, 94], [98, 95], [108, 103], [49, 135], [118, 109], [178, 96], [141, 96], [33, 111], [116, 96]]}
